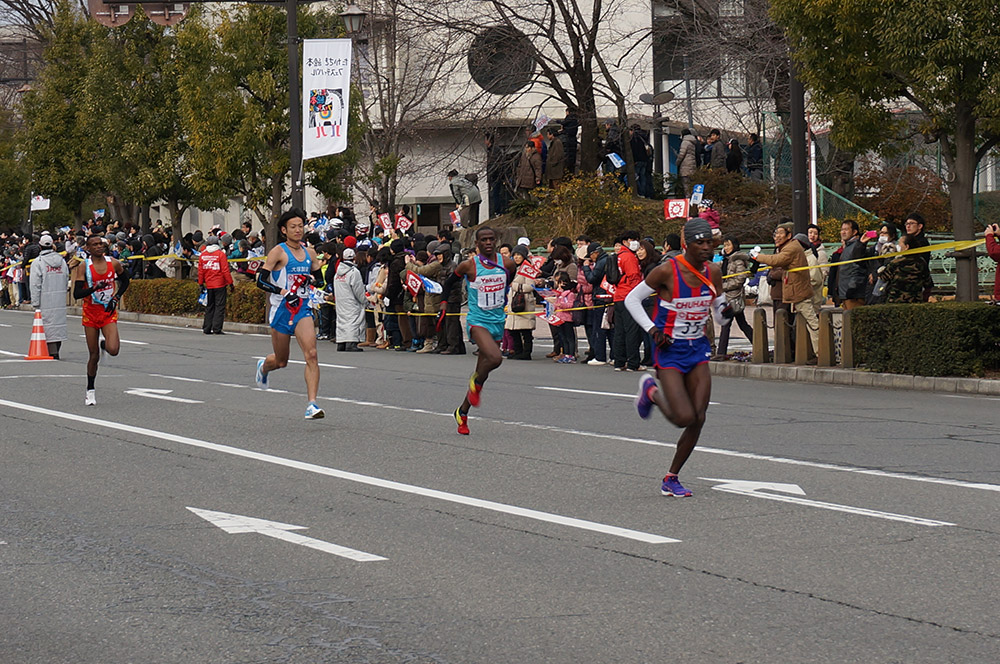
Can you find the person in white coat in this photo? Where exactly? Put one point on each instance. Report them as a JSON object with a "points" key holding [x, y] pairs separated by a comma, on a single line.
{"points": [[49, 281], [349, 292]]}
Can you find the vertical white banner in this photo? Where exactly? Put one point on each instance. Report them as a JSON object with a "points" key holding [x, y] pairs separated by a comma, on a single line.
{"points": [[326, 89]]}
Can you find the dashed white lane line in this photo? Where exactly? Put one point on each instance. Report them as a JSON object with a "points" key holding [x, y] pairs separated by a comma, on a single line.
{"points": [[124, 341], [536, 515], [600, 394], [328, 366], [982, 486]]}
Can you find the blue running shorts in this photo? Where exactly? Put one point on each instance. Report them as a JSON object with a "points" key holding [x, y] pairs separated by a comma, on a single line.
{"points": [[284, 321], [683, 355]]}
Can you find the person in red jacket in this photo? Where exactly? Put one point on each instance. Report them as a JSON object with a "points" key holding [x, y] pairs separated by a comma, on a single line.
{"points": [[993, 249], [214, 276], [628, 335]]}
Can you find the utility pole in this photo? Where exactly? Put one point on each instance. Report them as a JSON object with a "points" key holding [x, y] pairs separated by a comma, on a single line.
{"points": [[800, 167], [294, 104]]}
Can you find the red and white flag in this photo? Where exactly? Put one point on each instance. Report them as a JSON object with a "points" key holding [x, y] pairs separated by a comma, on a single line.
{"points": [[456, 218], [551, 319], [413, 283], [676, 208], [607, 286], [403, 223], [386, 220], [529, 268]]}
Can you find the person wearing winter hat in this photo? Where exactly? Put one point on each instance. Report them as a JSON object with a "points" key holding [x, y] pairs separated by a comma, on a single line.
{"points": [[214, 276], [521, 324], [48, 280], [689, 288], [349, 292]]}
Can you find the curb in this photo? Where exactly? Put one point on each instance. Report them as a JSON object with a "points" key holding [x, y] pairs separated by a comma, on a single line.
{"points": [[193, 322], [855, 378]]}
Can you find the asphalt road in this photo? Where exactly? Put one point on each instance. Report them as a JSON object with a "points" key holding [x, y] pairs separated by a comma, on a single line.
{"points": [[542, 537]]}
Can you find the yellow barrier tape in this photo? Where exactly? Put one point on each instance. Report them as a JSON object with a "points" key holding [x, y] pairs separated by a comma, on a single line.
{"points": [[957, 245]]}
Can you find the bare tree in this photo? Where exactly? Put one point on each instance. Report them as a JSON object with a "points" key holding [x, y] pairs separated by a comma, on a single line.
{"points": [[32, 19]]}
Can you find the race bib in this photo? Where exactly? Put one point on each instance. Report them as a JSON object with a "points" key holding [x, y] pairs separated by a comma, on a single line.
{"points": [[491, 289]]}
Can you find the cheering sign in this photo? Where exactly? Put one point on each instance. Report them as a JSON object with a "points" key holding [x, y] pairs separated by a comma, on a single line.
{"points": [[413, 283], [254, 265], [607, 286], [530, 268], [551, 319], [403, 223], [676, 208], [386, 220]]}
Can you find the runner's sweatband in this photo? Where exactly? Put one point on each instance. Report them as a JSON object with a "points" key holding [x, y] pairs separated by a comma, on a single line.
{"points": [[264, 282], [449, 283], [633, 302], [81, 290]]}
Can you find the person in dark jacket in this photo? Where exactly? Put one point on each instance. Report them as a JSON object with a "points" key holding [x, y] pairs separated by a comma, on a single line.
{"points": [[914, 227], [755, 158], [570, 125], [906, 276], [851, 278], [594, 270], [734, 160], [396, 326]]}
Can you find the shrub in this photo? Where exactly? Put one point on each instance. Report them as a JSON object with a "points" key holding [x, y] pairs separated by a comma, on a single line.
{"points": [[945, 339], [173, 297], [829, 227], [749, 209]]}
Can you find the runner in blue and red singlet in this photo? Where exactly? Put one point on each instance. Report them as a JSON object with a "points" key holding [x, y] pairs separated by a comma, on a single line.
{"points": [[689, 290]]}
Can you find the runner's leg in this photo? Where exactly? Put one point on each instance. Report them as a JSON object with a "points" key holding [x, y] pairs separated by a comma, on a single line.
{"points": [[279, 358], [112, 342], [305, 334], [94, 349], [698, 385], [489, 358]]}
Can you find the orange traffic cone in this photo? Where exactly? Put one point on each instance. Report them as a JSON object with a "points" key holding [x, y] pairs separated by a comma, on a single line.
{"points": [[39, 350]]}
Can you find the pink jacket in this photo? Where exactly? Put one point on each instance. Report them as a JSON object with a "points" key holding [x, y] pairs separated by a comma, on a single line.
{"points": [[564, 300]]}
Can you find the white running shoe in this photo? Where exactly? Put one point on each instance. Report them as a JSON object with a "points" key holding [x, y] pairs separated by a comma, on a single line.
{"points": [[90, 399], [261, 377], [596, 363], [314, 412]]}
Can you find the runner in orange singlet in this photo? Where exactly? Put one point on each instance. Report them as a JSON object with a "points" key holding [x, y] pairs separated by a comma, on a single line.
{"points": [[94, 283]]}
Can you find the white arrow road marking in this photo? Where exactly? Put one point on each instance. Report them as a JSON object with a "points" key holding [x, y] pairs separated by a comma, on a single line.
{"points": [[748, 488], [158, 394], [234, 523], [514, 510], [600, 394]]}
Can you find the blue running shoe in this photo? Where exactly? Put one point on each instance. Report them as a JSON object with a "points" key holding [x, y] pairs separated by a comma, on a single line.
{"points": [[314, 412], [672, 487], [261, 376], [643, 403]]}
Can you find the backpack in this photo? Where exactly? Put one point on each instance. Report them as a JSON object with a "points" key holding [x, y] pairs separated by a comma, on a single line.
{"points": [[612, 272], [473, 178]]}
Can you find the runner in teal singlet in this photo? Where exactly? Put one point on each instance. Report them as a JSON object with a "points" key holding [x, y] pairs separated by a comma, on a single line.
{"points": [[487, 274]]}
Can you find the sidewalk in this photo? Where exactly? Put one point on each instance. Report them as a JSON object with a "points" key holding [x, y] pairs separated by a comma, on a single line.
{"points": [[730, 369]]}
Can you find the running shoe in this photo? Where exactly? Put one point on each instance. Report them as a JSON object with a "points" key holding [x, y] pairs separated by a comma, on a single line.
{"points": [[672, 487], [90, 399], [261, 376], [475, 391], [596, 363], [314, 412], [463, 422], [643, 403]]}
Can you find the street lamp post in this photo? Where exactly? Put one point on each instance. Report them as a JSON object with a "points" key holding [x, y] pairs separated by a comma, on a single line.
{"points": [[294, 105]]}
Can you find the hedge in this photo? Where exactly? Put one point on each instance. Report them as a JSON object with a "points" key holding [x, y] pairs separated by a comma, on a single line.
{"points": [[174, 297], [944, 339]]}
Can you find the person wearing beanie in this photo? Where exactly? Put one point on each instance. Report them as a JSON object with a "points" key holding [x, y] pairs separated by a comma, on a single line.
{"points": [[349, 293], [689, 288], [48, 278], [214, 276], [521, 323]]}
